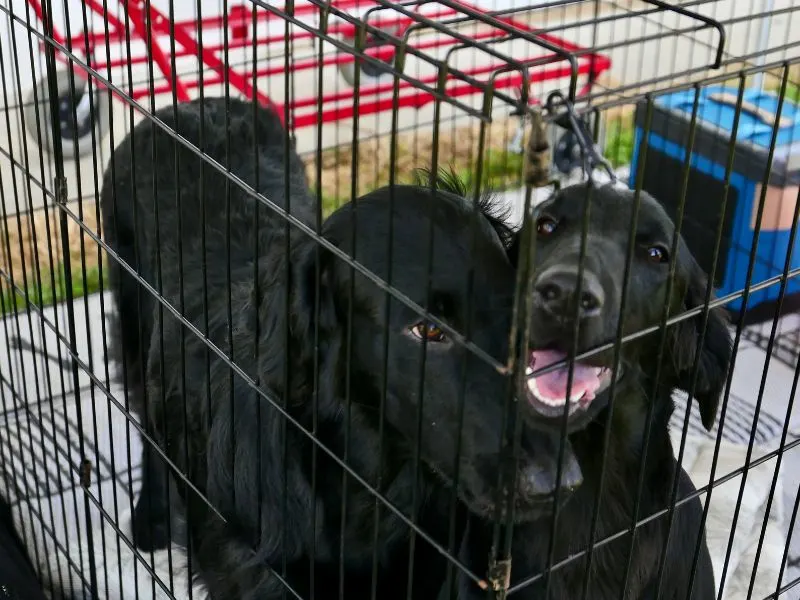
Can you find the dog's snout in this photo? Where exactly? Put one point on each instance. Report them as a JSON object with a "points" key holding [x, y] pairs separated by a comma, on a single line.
{"points": [[558, 292]]}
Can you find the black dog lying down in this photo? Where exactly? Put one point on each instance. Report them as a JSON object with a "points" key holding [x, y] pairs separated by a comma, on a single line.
{"points": [[290, 315], [556, 258]]}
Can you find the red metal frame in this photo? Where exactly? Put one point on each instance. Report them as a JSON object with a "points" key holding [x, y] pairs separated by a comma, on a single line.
{"points": [[375, 96]]}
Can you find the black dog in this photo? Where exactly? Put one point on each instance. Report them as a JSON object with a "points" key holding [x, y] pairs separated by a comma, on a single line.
{"points": [[375, 383], [139, 176], [559, 305]]}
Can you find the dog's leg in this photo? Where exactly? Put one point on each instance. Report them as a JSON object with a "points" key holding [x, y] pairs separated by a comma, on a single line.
{"points": [[229, 568], [133, 322], [681, 549], [474, 550], [150, 519]]}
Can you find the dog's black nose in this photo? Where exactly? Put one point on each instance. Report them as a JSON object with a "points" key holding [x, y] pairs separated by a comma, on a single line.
{"points": [[557, 292]]}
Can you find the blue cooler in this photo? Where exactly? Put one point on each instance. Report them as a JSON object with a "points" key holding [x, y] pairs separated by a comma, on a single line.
{"points": [[663, 177]]}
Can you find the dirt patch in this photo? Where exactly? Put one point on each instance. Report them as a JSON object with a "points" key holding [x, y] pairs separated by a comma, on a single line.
{"points": [[26, 243], [31, 243], [374, 161]]}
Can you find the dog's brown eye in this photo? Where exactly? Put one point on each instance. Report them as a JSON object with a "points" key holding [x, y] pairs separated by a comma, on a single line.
{"points": [[428, 331], [657, 254], [546, 226]]}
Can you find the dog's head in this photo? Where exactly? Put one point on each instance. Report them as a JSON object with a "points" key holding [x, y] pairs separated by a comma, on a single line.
{"points": [[585, 306], [438, 399]]}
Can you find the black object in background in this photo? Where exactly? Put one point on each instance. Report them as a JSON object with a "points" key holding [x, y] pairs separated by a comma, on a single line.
{"points": [[18, 580]]}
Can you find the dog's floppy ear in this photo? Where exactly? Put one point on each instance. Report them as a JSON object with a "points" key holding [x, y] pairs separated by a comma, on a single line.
{"points": [[315, 290], [714, 349], [316, 318], [311, 310]]}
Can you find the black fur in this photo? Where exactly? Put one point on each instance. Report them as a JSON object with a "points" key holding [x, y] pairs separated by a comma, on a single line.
{"points": [[290, 318], [130, 186], [636, 391]]}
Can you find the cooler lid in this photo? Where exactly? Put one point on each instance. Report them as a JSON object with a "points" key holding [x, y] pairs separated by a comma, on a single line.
{"points": [[717, 107]]}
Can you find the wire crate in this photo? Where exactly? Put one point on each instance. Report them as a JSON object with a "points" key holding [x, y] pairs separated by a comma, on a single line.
{"points": [[295, 299], [252, 42]]}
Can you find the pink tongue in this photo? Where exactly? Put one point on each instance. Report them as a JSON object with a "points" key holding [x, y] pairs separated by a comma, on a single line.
{"points": [[553, 384]]}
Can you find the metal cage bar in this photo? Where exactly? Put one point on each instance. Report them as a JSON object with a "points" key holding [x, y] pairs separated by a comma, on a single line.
{"points": [[397, 385]]}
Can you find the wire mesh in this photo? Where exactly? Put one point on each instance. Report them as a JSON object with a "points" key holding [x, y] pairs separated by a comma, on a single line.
{"points": [[282, 302]]}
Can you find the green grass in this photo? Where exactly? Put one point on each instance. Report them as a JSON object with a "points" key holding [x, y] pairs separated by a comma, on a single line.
{"points": [[15, 299], [773, 84], [793, 92], [330, 204], [618, 149], [500, 168]]}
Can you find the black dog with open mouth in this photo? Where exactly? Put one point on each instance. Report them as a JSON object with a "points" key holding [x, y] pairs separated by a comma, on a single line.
{"points": [[324, 341], [695, 358]]}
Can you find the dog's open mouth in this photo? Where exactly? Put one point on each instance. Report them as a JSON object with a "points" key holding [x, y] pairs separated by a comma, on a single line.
{"points": [[547, 393]]}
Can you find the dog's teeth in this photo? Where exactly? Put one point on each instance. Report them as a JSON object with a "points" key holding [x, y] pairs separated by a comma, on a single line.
{"points": [[534, 389], [529, 371]]}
